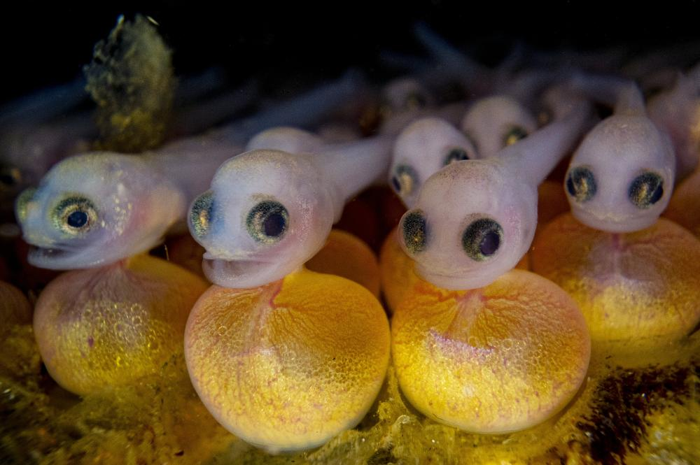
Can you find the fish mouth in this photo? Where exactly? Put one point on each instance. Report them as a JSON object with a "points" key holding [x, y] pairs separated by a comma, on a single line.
{"points": [[613, 223], [458, 280], [242, 274], [46, 252], [48, 257]]}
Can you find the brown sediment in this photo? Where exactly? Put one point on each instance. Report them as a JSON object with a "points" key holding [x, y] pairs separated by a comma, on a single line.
{"points": [[618, 424]]}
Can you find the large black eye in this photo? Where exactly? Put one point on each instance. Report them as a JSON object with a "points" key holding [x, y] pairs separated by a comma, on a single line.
{"points": [[514, 135], [404, 181], [75, 215], [482, 239], [77, 219], [415, 231], [267, 221], [456, 154], [646, 190], [580, 184], [202, 213]]}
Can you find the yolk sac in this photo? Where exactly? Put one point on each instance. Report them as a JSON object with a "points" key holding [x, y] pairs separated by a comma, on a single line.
{"points": [[684, 207], [492, 360], [110, 326], [397, 271], [14, 308], [636, 290], [288, 365], [347, 256]]}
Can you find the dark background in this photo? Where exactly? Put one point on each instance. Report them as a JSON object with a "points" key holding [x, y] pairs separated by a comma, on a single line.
{"points": [[49, 44]]}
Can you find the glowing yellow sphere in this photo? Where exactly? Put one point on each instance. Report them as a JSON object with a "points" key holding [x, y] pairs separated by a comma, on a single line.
{"points": [[491, 360], [112, 325], [348, 256], [684, 207], [288, 365], [639, 288], [14, 308], [397, 271]]}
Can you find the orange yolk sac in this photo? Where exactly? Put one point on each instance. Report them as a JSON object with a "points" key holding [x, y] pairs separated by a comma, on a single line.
{"points": [[492, 360], [112, 325], [635, 289], [288, 365]]}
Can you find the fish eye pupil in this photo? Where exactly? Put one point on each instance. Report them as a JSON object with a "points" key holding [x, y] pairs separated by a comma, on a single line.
{"points": [[489, 244], [267, 221], [274, 224], [581, 184], [77, 219], [646, 190], [415, 231], [482, 239]]}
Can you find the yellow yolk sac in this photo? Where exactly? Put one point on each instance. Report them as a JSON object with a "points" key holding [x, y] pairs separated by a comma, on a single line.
{"points": [[397, 271], [14, 308], [347, 256], [684, 207], [492, 360], [112, 325], [288, 365], [635, 290]]}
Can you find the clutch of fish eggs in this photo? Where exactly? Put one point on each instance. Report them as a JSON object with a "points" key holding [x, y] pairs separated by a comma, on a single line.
{"points": [[445, 342]]}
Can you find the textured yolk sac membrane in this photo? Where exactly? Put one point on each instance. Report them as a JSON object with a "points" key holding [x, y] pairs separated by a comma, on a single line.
{"points": [[634, 289], [491, 360], [113, 325], [288, 365]]}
